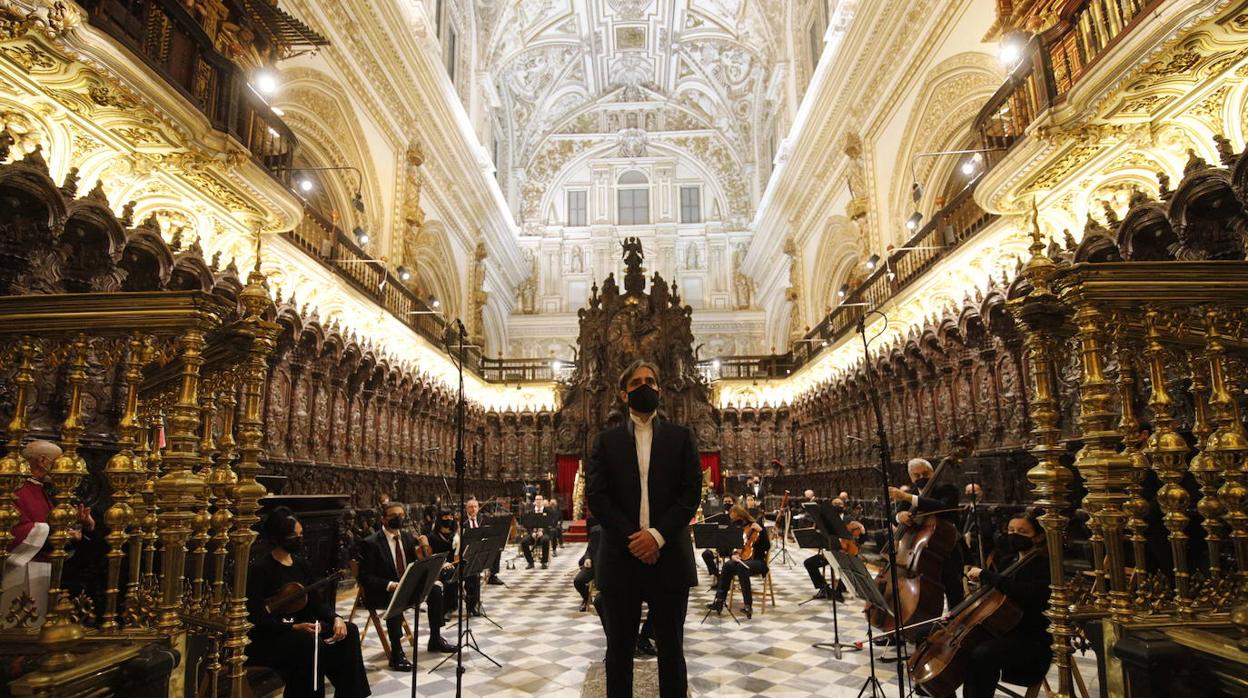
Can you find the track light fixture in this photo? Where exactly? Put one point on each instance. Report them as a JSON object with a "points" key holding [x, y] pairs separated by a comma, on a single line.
{"points": [[872, 262], [914, 221], [361, 236], [404, 273], [843, 290]]}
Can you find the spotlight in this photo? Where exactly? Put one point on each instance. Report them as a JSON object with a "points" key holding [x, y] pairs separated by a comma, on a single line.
{"points": [[434, 302], [715, 364], [969, 166], [824, 344], [914, 220], [357, 202], [305, 184], [265, 81], [843, 290], [556, 365], [1011, 51], [872, 262], [404, 274], [277, 111], [361, 235], [916, 192]]}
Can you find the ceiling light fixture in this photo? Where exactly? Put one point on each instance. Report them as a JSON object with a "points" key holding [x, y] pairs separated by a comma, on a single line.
{"points": [[266, 81]]}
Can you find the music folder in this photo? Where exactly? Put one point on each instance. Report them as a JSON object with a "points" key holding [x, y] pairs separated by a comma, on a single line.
{"points": [[415, 585], [533, 520], [810, 537], [704, 534], [860, 579]]}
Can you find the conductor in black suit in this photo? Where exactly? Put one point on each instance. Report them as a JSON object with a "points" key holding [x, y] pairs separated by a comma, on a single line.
{"points": [[943, 497], [643, 482]]}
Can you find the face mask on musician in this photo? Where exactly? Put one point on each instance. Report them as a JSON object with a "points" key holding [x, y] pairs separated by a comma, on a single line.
{"points": [[1018, 542], [643, 399], [293, 544], [394, 523], [447, 525], [922, 482]]}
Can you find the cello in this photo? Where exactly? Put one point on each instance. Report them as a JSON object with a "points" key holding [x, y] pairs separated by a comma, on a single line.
{"points": [[920, 552], [939, 663]]}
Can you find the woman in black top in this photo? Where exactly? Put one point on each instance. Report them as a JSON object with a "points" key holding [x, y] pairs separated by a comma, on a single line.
{"points": [[285, 642], [1022, 655], [742, 570]]}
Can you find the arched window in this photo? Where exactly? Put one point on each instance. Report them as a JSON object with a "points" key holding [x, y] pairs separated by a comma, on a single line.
{"points": [[633, 199]]}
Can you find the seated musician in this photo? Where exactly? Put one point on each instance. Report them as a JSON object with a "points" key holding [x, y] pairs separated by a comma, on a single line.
{"points": [[383, 557], [284, 641], [752, 507], [742, 570], [712, 566], [808, 497], [1023, 654], [942, 498], [816, 563], [444, 540], [472, 585], [536, 537]]}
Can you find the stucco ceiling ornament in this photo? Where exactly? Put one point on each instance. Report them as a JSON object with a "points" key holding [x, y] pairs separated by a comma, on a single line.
{"points": [[629, 9], [632, 143]]}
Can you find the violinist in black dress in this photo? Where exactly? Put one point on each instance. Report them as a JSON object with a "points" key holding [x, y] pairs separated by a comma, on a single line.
{"points": [[284, 641], [1021, 656], [740, 569]]}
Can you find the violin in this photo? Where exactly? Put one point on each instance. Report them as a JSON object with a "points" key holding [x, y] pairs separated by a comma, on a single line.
{"points": [[747, 551], [920, 552], [292, 597], [939, 662]]}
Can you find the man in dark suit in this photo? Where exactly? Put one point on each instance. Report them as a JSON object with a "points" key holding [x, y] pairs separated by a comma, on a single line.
{"points": [[643, 482], [384, 556], [944, 498], [755, 487], [537, 537]]}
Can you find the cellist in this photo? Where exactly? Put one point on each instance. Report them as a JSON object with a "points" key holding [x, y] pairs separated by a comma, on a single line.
{"points": [[1024, 653], [285, 641], [944, 499], [750, 561]]}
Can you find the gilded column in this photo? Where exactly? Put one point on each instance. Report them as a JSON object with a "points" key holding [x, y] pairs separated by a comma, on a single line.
{"points": [[123, 471], [1228, 444], [1203, 466], [1042, 317], [220, 482], [13, 467], [1106, 472], [247, 493], [59, 632], [1166, 452], [1129, 429], [180, 490]]}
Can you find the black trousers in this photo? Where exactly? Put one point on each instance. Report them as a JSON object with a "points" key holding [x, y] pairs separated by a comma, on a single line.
{"points": [[709, 558], [814, 567], [742, 570], [1021, 657], [527, 545], [621, 613], [951, 577], [581, 582], [556, 536], [341, 663]]}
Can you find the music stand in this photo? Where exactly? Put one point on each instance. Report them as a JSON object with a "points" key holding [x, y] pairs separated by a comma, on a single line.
{"points": [[811, 538], [414, 586], [783, 552], [704, 535], [473, 557], [828, 526], [863, 584], [726, 539], [490, 543]]}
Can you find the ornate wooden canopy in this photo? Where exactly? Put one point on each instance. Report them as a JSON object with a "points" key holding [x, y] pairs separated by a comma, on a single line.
{"points": [[618, 328]]}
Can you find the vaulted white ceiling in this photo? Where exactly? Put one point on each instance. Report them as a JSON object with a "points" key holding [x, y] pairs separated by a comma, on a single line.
{"points": [[633, 69]]}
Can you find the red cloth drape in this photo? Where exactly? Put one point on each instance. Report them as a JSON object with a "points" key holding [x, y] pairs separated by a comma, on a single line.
{"points": [[565, 480], [711, 461]]}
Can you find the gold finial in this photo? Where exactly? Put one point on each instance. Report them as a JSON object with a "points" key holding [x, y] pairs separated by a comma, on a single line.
{"points": [[1037, 244], [259, 235]]}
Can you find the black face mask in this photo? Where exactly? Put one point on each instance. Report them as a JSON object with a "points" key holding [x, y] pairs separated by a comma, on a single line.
{"points": [[643, 399], [922, 482], [447, 525], [1018, 542], [293, 544], [394, 523]]}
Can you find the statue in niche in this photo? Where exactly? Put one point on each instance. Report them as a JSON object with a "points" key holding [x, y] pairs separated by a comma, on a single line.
{"points": [[692, 257], [856, 177], [794, 292], [578, 260], [650, 125], [476, 326], [526, 292], [613, 122], [744, 290]]}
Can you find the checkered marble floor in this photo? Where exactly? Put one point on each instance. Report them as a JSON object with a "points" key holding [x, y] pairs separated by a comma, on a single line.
{"points": [[546, 644]]}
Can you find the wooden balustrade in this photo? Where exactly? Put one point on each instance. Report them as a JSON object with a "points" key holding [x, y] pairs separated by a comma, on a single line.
{"points": [[165, 36]]}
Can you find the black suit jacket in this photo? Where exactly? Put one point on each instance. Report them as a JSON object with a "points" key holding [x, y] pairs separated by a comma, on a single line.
{"points": [[613, 489], [377, 566], [942, 496]]}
